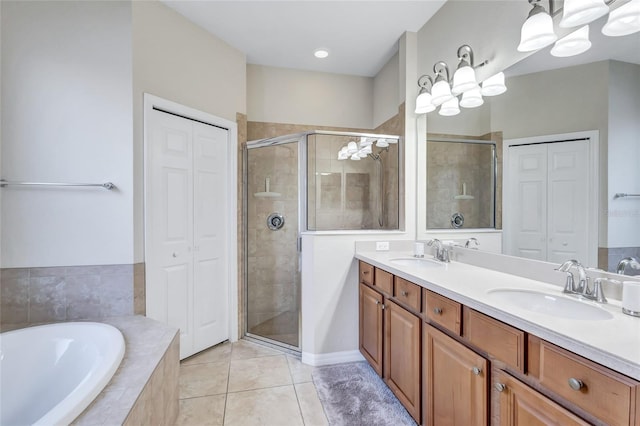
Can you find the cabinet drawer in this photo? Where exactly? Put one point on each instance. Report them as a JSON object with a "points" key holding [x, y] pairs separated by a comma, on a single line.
{"points": [[407, 293], [366, 273], [499, 340], [442, 311], [605, 394], [383, 281]]}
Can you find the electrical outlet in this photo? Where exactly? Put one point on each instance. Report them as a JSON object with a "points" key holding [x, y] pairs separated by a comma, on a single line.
{"points": [[382, 245]]}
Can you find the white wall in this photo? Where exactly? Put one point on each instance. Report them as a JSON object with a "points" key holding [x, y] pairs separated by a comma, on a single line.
{"points": [[624, 155], [386, 93], [282, 95], [179, 61], [66, 117]]}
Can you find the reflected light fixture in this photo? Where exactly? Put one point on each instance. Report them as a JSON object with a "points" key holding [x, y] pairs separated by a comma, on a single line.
{"points": [[471, 99], [352, 148], [537, 30], [441, 91], [572, 44], [494, 85], [465, 77], [580, 12], [624, 20], [450, 108], [423, 101], [382, 143]]}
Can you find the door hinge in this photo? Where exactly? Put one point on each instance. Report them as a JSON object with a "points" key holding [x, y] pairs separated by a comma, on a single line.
{"points": [[299, 244]]}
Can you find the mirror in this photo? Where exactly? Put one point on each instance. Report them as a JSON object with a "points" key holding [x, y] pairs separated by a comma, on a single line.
{"points": [[549, 96]]}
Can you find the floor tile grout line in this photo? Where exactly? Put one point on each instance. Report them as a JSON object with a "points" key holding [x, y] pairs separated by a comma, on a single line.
{"points": [[295, 391]]}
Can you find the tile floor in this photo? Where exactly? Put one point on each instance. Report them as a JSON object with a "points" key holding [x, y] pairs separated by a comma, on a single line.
{"points": [[247, 384]]}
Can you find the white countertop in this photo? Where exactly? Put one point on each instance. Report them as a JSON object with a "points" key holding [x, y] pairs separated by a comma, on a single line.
{"points": [[614, 343]]}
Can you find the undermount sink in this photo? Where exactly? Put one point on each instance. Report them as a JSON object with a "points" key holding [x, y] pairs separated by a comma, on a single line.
{"points": [[417, 261], [549, 304]]}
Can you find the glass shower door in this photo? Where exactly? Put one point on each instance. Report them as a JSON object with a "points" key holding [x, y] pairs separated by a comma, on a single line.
{"points": [[272, 262]]}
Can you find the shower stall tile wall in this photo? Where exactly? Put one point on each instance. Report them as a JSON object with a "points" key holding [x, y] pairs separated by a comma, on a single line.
{"points": [[64, 293]]}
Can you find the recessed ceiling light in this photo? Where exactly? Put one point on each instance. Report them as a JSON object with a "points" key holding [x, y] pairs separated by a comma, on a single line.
{"points": [[321, 53]]}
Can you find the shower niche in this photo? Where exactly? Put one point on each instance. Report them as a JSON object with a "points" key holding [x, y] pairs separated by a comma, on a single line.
{"points": [[313, 181]]}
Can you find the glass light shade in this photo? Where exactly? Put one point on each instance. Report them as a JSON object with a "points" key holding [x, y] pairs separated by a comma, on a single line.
{"points": [[361, 154], [423, 103], [624, 20], [464, 79], [471, 99], [352, 148], [440, 93], [494, 85], [537, 32], [355, 157], [366, 150], [580, 12], [382, 143], [572, 44], [365, 141], [392, 141], [342, 154], [450, 108]]}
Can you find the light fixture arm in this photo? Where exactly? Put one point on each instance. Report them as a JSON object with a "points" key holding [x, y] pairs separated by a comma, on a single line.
{"points": [[425, 82], [465, 53], [441, 70]]}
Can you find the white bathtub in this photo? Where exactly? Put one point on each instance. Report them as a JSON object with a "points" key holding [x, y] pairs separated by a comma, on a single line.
{"points": [[49, 374]]}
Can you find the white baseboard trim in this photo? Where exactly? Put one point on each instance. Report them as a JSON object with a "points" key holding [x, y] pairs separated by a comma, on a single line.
{"points": [[316, 360]]}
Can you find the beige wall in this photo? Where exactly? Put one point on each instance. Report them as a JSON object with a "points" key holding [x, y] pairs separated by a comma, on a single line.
{"points": [[386, 92], [179, 61], [281, 95]]}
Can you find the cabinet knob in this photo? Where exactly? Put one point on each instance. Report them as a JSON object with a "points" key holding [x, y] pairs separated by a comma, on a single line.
{"points": [[476, 371], [404, 293], [575, 384], [174, 254], [437, 311], [365, 272], [499, 387], [377, 302]]}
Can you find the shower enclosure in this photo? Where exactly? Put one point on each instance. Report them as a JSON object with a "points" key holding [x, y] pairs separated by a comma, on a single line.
{"points": [[314, 181]]}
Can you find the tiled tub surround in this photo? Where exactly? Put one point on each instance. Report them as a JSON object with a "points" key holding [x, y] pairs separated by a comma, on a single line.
{"points": [[66, 293], [613, 343], [145, 388]]}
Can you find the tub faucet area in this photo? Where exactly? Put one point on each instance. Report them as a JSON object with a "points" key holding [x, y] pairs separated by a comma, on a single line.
{"points": [[630, 261]]}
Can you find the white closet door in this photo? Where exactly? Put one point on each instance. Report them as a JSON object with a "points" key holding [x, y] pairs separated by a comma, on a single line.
{"points": [[527, 217], [568, 185], [169, 228], [210, 236]]}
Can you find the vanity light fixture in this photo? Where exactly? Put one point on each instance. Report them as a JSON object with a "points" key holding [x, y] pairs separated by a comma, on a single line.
{"points": [[580, 12], [471, 99], [537, 31], [494, 85], [465, 77], [352, 148], [450, 107], [321, 53], [342, 154], [624, 20], [572, 44], [441, 91], [382, 143], [365, 142], [423, 101]]}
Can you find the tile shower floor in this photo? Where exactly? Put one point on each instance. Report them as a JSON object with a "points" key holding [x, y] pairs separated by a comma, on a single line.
{"points": [[247, 384]]}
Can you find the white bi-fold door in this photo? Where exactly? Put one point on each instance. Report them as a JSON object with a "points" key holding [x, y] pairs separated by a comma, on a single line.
{"points": [[547, 189], [187, 218]]}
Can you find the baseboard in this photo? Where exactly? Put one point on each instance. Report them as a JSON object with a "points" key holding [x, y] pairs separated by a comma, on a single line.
{"points": [[316, 360]]}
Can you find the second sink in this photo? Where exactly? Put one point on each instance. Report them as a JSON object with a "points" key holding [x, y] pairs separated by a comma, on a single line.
{"points": [[417, 261]]}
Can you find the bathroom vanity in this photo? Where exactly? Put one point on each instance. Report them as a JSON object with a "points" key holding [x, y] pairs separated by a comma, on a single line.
{"points": [[454, 351]]}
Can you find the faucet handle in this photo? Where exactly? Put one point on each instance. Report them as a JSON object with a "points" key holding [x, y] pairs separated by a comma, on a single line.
{"points": [[598, 292], [569, 286]]}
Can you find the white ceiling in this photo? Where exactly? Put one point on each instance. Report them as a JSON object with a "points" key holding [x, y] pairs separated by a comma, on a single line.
{"points": [[361, 36]]}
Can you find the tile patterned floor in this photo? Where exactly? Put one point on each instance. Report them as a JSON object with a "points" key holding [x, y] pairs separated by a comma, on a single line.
{"points": [[247, 384]]}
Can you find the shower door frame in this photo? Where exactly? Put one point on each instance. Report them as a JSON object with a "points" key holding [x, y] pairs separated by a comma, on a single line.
{"points": [[300, 139]]}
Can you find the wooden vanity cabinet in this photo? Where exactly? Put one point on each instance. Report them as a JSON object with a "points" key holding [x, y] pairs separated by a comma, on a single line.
{"points": [[402, 356], [371, 326], [455, 382], [521, 405]]}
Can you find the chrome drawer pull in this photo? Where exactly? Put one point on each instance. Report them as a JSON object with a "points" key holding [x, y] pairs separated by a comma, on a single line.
{"points": [[499, 387], [404, 293], [437, 311], [575, 384], [476, 371]]}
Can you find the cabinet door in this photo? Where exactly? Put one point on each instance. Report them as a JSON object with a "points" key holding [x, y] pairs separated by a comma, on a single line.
{"points": [[402, 356], [520, 405], [371, 303], [455, 387]]}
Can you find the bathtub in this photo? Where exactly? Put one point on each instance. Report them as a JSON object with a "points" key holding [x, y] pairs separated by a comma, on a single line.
{"points": [[50, 373]]}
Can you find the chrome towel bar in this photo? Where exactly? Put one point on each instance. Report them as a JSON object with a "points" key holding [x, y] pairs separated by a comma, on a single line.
{"points": [[106, 185], [623, 195]]}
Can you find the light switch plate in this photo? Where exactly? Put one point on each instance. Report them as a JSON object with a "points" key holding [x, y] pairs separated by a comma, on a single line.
{"points": [[382, 245]]}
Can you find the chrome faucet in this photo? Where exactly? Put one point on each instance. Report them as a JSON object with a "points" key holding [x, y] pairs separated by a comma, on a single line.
{"points": [[442, 254], [582, 288], [631, 261], [471, 240]]}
